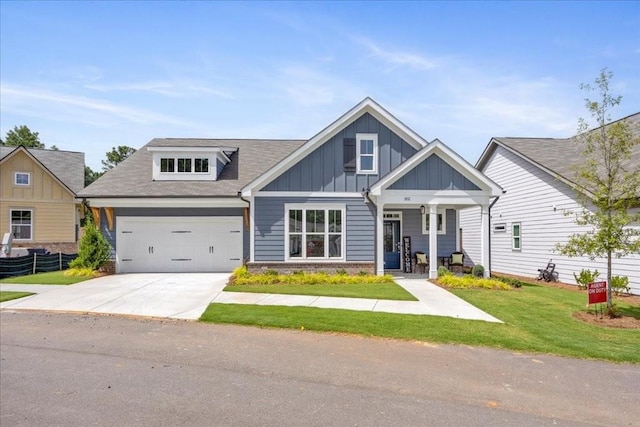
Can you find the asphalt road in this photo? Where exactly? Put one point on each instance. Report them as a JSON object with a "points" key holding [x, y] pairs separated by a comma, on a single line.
{"points": [[72, 370]]}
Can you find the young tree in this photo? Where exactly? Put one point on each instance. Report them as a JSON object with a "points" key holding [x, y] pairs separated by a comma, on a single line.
{"points": [[90, 175], [608, 184], [94, 251], [115, 156], [22, 135]]}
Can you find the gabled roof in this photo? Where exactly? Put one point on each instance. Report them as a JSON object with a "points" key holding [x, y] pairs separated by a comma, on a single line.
{"points": [[556, 156], [67, 167], [448, 155], [134, 176], [367, 105]]}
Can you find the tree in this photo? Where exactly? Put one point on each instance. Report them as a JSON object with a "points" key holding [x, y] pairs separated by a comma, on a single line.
{"points": [[22, 135], [90, 175], [608, 184], [94, 251], [116, 156]]}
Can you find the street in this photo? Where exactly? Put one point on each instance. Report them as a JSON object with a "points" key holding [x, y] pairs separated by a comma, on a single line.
{"points": [[73, 369]]}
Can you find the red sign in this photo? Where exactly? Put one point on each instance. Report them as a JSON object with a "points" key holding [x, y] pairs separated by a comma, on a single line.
{"points": [[597, 292]]}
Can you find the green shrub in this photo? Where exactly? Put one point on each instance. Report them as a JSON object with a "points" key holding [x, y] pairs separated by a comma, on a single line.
{"points": [[620, 284], [443, 271], [80, 272], [298, 278], [94, 251], [466, 282], [585, 277], [270, 272], [477, 271], [341, 272]]}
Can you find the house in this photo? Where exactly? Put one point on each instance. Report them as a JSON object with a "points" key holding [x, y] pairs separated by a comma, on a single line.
{"points": [[38, 191], [538, 208], [364, 194]]}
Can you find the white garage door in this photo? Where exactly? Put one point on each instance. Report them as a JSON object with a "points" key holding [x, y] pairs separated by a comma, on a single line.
{"points": [[178, 244]]}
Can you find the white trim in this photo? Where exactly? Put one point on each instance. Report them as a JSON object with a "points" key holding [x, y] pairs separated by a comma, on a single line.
{"points": [[326, 233], [379, 242], [423, 197], [367, 137], [252, 231], [367, 105], [399, 219], [15, 179], [433, 241], [31, 225], [443, 213], [305, 194], [519, 237], [167, 202], [192, 149]]}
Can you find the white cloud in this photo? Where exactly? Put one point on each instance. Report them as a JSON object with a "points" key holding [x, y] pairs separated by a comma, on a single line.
{"points": [[396, 58], [167, 88]]}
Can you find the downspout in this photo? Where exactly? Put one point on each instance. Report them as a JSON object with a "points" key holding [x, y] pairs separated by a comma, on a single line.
{"points": [[249, 222], [368, 199], [489, 236]]}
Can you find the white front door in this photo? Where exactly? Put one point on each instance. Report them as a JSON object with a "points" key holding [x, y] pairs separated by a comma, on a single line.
{"points": [[178, 244]]}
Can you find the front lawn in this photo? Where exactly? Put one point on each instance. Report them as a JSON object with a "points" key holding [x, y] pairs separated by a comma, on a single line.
{"points": [[50, 278], [537, 318], [9, 295]]}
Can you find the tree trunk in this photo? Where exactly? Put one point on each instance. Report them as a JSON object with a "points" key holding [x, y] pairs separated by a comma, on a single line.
{"points": [[609, 301]]}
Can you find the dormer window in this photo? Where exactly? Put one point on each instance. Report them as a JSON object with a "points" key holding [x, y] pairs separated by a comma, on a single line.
{"points": [[189, 163]]}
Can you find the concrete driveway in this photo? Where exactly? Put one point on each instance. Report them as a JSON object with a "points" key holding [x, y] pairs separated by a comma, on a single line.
{"points": [[178, 296]]}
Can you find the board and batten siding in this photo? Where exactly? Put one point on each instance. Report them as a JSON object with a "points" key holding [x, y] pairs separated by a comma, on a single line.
{"points": [[169, 212], [433, 173], [543, 206], [270, 234], [323, 169], [412, 227]]}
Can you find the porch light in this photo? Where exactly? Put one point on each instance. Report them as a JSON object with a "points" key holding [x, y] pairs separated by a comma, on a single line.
{"points": [[423, 209]]}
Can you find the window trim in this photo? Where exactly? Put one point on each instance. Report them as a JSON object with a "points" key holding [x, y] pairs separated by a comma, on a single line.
{"points": [[425, 228], [374, 138], [500, 227], [15, 179], [304, 207], [176, 165], [515, 238], [11, 211]]}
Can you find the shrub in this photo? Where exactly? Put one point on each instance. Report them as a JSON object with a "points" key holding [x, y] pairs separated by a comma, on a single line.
{"points": [[620, 284], [341, 272], [477, 271], [270, 272], [466, 282], [80, 272], [94, 251], [443, 271], [585, 277], [297, 278]]}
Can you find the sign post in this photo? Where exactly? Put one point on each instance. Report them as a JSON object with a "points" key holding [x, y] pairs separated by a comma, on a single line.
{"points": [[597, 293]]}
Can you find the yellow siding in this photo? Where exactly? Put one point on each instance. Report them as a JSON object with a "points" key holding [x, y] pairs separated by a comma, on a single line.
{"points": [[54, 208]]}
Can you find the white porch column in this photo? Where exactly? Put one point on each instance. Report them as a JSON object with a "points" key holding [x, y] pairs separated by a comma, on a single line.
{"points": [[458, 243], [433, 241], [484, 239], [379, 240]]}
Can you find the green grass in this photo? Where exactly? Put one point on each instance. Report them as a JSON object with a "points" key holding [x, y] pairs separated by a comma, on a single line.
{"points": [[537, 319], [390, 291], [51, 278], [9, 295]]}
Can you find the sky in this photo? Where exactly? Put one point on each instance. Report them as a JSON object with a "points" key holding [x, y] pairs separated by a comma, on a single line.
{"points": [[88, 76]]}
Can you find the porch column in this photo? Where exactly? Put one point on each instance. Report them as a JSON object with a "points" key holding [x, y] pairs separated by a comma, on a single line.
{"points": [[484, 239], [379, 255], [433, 241]]}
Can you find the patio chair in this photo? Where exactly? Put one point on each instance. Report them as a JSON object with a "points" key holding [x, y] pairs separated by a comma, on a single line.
{"points": [[548, 273], [456, 262], [422, 262]]}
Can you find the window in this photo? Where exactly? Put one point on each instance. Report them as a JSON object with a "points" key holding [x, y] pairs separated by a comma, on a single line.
{"points": [[184, 165], [516, 236], [167, 165], [442, 223], [21, 224], [500, 228], [201, 165], [367, 150], [314, 232], [22, 178]]}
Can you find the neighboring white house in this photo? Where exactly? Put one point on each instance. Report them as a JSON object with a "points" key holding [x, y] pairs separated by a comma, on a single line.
{"points": [[538, 209]]}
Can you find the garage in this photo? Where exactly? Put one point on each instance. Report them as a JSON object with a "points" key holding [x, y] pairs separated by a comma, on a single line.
{"points": [[178, 244]]}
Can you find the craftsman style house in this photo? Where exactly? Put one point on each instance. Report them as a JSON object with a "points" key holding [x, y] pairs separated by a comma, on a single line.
{"points": [[364, 194]]}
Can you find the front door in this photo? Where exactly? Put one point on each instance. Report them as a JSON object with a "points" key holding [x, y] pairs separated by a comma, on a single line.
{"points": [[391, 236]]}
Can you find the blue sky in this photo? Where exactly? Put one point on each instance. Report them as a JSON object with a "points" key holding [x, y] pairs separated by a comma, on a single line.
{"points": [[92, 75]]}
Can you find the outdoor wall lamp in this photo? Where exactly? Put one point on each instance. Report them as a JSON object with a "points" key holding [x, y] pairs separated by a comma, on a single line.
{"points": [[423, 210]]}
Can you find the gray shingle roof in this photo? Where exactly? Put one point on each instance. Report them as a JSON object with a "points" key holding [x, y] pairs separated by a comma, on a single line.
{"points": [[67, 166], [561, 155], [133, 177]]}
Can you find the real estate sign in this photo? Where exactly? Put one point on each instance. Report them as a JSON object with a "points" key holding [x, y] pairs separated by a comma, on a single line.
{"points": [[597, 292]]}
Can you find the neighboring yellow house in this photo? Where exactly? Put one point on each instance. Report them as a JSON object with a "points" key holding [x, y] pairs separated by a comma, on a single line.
{"points": [[38, 202]]}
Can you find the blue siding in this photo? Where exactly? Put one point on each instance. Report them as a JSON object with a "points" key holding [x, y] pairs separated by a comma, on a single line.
{"points": [[270, 235], [322, 170], [111, 235], [412, 226], [433, 174]]}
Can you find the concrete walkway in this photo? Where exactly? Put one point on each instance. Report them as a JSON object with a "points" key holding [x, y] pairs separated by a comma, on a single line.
{"points": [[187, 295]]}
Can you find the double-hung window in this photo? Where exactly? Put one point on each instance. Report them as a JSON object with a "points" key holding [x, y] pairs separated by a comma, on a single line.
{"points": [[22, 224], [516, 236], [314, 232], [367, 153], [22, 178]]}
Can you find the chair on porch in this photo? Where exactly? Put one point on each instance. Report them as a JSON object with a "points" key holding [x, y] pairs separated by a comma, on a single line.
{"points": [[456, 262], [422, 262]]}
